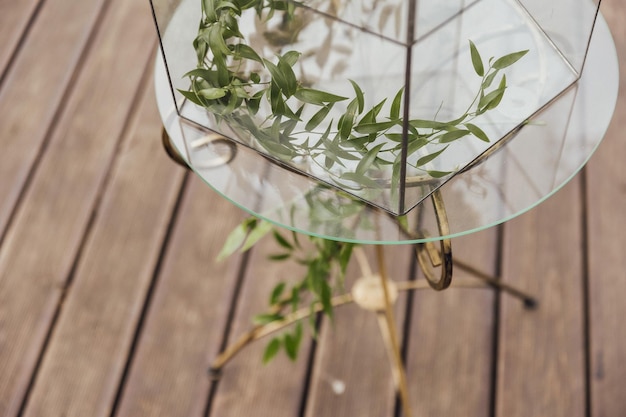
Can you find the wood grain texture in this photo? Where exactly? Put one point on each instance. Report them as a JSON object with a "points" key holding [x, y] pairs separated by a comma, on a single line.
{"points": [[74, 102], [451, 339], [35, 86], [351, 351], [41, 246], [187, 314], [87, 354], [606, 201], [14, 18], [541, 362]]}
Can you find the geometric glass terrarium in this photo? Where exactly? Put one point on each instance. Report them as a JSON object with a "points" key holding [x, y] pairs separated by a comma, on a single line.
{"points": [[385, 100]]}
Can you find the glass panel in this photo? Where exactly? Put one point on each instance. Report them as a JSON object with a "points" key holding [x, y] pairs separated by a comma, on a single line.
{"points": [[442, 73], [567, 24], [526, 170], [343, 91]]}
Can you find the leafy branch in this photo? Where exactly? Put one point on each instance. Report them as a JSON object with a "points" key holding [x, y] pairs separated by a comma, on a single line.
{"points": [[232, 81], [325, 264]]}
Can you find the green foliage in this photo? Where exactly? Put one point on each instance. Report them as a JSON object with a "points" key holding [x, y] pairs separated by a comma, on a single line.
{"points": [[370, 136], [219, 85], [325, 264]]}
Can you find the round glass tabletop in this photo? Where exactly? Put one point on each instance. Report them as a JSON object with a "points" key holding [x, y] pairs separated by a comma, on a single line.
{"points": [[530, 167]]}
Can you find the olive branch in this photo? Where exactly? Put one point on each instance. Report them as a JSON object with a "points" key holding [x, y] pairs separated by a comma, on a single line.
{"points": [[233, 82], [369, 137]]}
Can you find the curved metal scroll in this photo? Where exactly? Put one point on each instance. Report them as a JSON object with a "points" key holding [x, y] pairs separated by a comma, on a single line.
{"points": [[429, 257], [171, 151], [211, 139]]}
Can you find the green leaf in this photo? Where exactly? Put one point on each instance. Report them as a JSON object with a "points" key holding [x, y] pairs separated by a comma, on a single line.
{"points": [[277, 102], [317, 118], [216, 41], [453, 135], [261, 228], [287, 112], [403, 221], [345, 253], [416, 144], [489, 79], [289, 76], [292, 342], [477, 61], [509, 59], [212, 93], [277, 292], [394, 137], [368, 159], [271, 350], [262, 319], [428, 124], [478, 132], [492, 99], [394, 113], [205, 74], [426, 159], [236, 238], [362, 180], [295, 298], [346, 122], [277, 149], [370, 116], [227, 5], [290, 58], [246, 52], [208, 7], [331, 159], [282, 241], [317, 97], [223, 74], [326, 298], [367, 128], [359, 96], [277, 75], [452, 123], [255, 77], [395, 177], [191, 96], [279, 257], [439, 174]]}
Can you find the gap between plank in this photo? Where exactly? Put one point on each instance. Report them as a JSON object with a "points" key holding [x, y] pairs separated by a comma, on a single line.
{"points": [[406, 328], [309, 367], [18, 46], [497, 298], [149, 294], [586, 303], [230, 318], [56, 117], [92, 218]]}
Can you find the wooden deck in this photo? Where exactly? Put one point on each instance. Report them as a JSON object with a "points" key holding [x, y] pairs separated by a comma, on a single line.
{"points": [[111, 303]]}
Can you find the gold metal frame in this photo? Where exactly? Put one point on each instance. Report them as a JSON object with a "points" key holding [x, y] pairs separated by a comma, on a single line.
{"points": [[428, 258]]}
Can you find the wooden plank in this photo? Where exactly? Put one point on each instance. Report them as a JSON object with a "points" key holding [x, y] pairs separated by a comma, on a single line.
{"points": [[14, 18], [451, 339], [87, 354], [41, 246], [188, 312], [247, 387], [606, 201], [35, 86], [541, 362], [351, 353]]}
